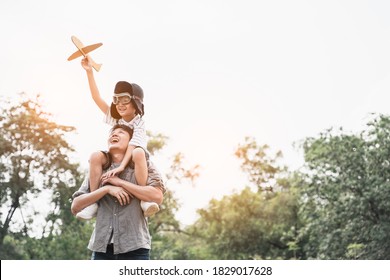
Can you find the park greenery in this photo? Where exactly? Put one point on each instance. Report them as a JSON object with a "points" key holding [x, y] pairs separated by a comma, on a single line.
{"points": [[336, 206]]}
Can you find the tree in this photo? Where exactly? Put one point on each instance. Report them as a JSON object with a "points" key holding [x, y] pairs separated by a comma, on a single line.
{"points": [[259, 222], [169, 239], [346, 201], [262, 169], [34, 156]]}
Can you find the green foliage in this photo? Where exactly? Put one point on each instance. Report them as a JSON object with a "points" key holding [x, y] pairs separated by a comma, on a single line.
{"points": [[346, 202], [262, 169], [163, 224], [34, 158], [12, 248], [169, 240], [156, 142], [250, 225], [70, 244], [260, 224], [179, 173], [179, 246]]}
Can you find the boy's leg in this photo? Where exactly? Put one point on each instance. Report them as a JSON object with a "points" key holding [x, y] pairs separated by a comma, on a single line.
{"points": [[141, 175], [96, 163], [140, 166]]}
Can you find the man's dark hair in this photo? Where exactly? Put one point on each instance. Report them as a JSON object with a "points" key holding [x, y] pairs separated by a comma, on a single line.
{"points": [[124, 127]]}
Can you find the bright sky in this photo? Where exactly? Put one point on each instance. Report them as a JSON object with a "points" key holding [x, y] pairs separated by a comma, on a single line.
{"points": [[212, 72]]}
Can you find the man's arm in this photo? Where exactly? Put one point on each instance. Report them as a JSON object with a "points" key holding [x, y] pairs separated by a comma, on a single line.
{"points": [[145, 193], [84, 200]]}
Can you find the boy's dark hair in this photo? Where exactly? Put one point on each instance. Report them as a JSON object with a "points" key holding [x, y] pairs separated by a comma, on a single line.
{"points": [[124, 127]]}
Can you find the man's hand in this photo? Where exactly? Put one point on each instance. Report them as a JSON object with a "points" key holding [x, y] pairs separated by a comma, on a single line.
{"points": [[120, 194]]}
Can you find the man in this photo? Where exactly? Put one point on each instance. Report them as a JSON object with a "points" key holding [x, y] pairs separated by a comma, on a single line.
{"points": [[121, 230]]}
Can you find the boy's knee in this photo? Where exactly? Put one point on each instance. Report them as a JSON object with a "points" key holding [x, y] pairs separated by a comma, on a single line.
{"points": [[97, 158], [138, 155]]}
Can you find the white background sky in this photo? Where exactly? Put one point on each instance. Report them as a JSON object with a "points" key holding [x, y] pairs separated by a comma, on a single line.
{"points": [[212, 72]]}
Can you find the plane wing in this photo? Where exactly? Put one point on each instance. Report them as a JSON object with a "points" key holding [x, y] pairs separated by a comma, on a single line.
{"points": [[84, 51]]}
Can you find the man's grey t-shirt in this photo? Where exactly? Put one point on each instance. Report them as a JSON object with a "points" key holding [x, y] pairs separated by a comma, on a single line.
{"points": [[124, 226]]}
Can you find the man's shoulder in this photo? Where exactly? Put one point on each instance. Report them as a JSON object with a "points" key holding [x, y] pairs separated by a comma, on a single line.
{"points": [[154, 177], [84, 188]]}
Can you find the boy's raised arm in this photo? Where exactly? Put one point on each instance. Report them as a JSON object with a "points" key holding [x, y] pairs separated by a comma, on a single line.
{"points": [[103, 106]]}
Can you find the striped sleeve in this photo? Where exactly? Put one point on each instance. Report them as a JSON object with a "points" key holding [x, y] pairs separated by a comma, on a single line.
{"points": [[108, 119], [139, 138]]}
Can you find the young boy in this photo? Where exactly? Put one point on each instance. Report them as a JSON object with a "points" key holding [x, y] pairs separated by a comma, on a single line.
{"points": [[127, 108]]}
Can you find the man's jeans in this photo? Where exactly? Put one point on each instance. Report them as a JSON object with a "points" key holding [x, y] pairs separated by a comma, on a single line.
{"points": [[139, 254]]}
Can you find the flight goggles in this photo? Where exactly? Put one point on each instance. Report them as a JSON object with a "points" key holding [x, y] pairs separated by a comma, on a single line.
{"points": [[123, 98]]}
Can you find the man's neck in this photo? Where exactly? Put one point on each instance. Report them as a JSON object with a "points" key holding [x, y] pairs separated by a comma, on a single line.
{"points": [[117, 157]]}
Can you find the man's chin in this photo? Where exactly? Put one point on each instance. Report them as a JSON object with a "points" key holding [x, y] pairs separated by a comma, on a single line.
{"points": [[121, 144], [114, 146]]}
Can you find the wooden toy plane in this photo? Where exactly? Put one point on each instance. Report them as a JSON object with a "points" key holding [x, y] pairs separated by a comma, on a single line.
{"points": [[83, 51]]}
